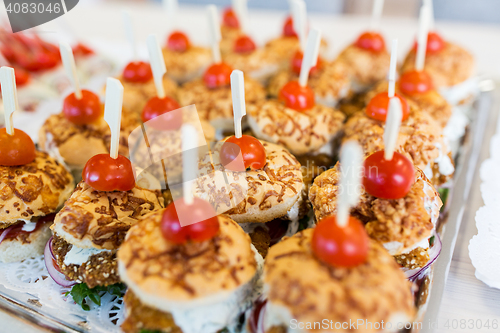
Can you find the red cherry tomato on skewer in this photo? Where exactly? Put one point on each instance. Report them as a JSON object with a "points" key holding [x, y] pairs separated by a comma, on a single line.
{"points": [[244, 44], [288, 30], [22, 77], [415, 82], [340, 246], [137, 72], [434, 43], [378, 107], [105, 173], [156, 107], [252, 151], [297, 97], [229, 18], [178, 42], [371, 41], [85, 110], [200, 210], [16, 149], [388, 179], [218, 75], [297, 63]]}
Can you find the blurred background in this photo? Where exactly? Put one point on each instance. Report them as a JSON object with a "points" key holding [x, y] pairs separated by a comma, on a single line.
{"points": [[486, 11]]}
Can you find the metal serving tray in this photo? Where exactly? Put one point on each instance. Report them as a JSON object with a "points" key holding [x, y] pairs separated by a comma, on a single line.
{"points": [[27, 312]]}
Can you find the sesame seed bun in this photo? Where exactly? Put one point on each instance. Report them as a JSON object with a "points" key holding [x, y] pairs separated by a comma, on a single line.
{"points": [[96, 219], [299, 132], [35, 189], [74, 144], [216, 105], [165, 275], [366, 68], [261, 195], [12, 250], [136, 95], [308, 290], [451, 66], [188, 65]]}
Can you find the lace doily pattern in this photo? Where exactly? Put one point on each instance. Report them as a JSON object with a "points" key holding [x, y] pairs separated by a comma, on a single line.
{"points": [[29, 283]]}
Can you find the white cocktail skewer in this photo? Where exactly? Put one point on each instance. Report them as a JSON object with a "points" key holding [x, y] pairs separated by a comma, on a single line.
{"points": [[68, 61], [215, 35], [392, 125], [157, 64], [423, 30], [392, 68], [9, 96], [310, 58], [351, 161], [238, 95], [113, 112]]}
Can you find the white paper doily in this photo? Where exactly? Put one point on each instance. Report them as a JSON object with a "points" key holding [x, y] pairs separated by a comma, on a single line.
{"points": [[484, 248], [31, 277]]}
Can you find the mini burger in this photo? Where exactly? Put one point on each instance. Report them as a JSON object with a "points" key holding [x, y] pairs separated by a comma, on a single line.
{"points": [[300, 288], [405, 225], [92, 225], [185, 62], [267, 200], [198, 278], [31, 194], [419, 137]]}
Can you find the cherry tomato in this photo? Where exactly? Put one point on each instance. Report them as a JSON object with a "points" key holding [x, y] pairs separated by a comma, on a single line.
{"points": [[288, 30], [415, 82], [105, 173], [378, 107], [340, 246], [85, 110], [244, 44], [22, 77], [229, 18], [297, 97], [82, 50], [297, 63], [251, 150], [371, 41], [178, 42], [200, 210], [161, 107], [16, 149], [434, 43], [137, 72], [218, 75], [388, 179]]}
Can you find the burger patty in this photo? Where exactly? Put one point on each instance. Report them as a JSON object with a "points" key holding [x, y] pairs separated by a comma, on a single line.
{"points": [[100, 270], [140, 316]]}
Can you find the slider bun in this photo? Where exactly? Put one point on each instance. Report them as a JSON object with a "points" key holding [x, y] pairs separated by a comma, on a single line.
{"points": [[312, 290], [270, 191], [95, 219], [17, 250], [35, 189], [299, 132], [165, 275]]}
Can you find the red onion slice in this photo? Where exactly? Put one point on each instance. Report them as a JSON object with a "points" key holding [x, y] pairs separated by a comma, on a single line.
{"points": [[434, 252], [58, 278], [5, 232]]}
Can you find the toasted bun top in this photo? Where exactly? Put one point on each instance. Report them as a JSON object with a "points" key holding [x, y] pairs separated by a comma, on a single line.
{"points": [[161, 272], [217, 103], [451, 66], [34, 189], [181, 64], [404, 220], [300, 132], [312, 290], [252, 61], [260, 195], [95, 219], [76, 144], [367, 68], [431, 102], [418, 136], [331, 80]]}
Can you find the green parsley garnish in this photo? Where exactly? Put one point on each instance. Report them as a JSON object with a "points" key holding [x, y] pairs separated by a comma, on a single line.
{"points": [[81, 293]]}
